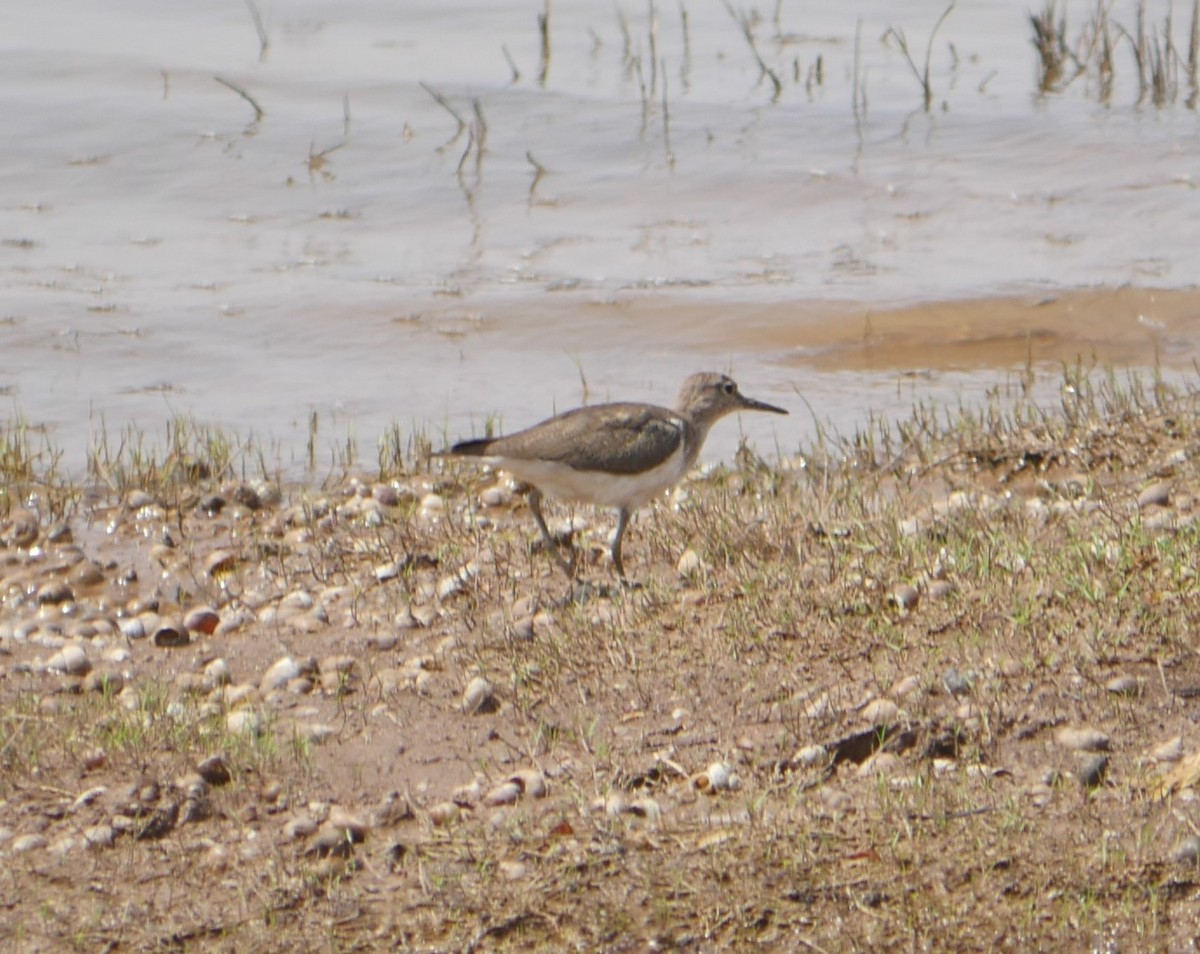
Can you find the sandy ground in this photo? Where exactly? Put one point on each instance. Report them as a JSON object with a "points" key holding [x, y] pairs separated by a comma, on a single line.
{"points": [[933, 691]]}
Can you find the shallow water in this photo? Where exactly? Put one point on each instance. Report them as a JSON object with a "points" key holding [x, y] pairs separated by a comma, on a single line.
{"points": [[349, 255]]}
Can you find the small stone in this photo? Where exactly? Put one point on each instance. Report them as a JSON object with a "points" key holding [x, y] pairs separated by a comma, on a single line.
{"points": [[201, 619], [1156, 495], [296, 828], [1082, 739], [512, 870], [24, 843], [132, 627], [495, 496], [220, 563], [315, 732], [1123, 686], [71, 659], [215, 770], [1187, 852], [689, 563], [532, 782], [170, 634], [507, 793], [810, 755], [99, 836], [55, 592], [1169, 751], [216, 674], [880, 711], [940, 589], [105, 682], [479, 697], [281, 672], [244, 721], [906, 597], [1092, 770], [85, 574], [443, 813]]}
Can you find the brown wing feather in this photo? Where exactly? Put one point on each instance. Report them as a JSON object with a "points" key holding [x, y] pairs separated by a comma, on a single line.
{"points": [[619, 438]]}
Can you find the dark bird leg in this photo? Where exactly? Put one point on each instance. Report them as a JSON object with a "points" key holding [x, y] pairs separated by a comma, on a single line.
{"points": [[622, 522], [535, 504]]}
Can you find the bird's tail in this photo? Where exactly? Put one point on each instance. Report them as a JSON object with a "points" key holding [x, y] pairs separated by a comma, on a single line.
{"points": [[475, 448]]}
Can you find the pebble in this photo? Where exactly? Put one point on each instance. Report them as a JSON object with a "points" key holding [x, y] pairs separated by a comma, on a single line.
{"points": [[1187, 851], [1169, 751], [281, 672], [55, 592], [170, 634], [810, 755], [1123, 685], [906, 597], [443, 813], [315, 732], [506, 793], [245, 721], [718, 777], [296, 828], [1092, 769], [71, 659], [132, 627], [201, 619], [689, 563], [880, 711], [532, 782], [24, 843], [215, 770], [1156, 495], [479, 697], [940, 589], [99, 836], [495, 496], [1081, 738]]}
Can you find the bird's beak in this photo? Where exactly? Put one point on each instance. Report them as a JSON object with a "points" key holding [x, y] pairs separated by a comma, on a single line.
{"points": [[750, 404]]}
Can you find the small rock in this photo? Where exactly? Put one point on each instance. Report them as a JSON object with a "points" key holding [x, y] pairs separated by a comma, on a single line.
{"points": [[689, 563], [479, 697], [99, 836], [71, 659], [215, 674], [717, 777], [880, 711], [1156, 495], [281, 672], [532, 782], [443, 813], [296, 828], [810, 755], [906, 597], [55, 592], [1082, 739], [1092, 770], [1187, 852], [215, 770], [940, 589], [507, 793], [1122, 685], [201, 619], [105, 682], [244, 721], [1169, 751], [132, 627], [170, 634], [24, 843]]}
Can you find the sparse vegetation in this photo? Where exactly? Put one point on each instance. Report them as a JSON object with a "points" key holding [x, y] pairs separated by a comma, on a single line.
{"points": [[846, 726]]}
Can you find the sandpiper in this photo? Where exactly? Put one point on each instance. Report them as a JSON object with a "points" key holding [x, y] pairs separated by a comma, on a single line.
{"points": [[615, 455]]}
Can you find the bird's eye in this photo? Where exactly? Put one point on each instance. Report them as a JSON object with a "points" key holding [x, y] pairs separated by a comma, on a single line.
{"points": [[729, 387]]}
